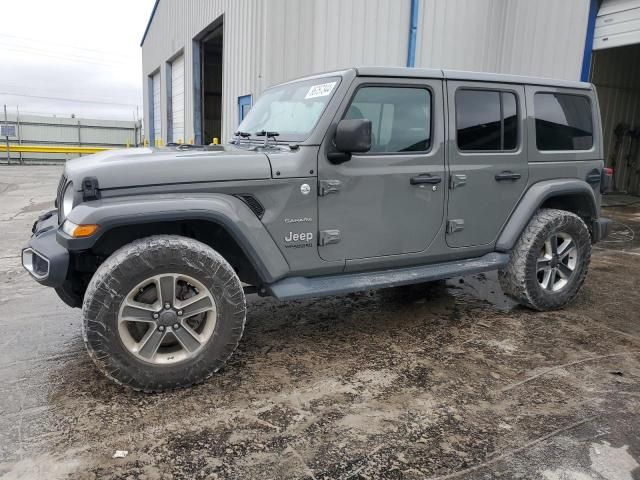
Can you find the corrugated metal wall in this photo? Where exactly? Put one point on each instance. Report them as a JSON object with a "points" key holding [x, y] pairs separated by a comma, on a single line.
{"points": [[521, 37], [56, 131], [268, 41], [320, 35], [616, 74]]}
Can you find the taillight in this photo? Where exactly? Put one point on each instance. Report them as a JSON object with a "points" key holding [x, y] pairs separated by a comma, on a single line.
{"points": [[606, 178]]}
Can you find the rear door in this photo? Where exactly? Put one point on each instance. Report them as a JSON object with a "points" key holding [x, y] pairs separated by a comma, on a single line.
{"points": [[487, 159], [390, 200]]}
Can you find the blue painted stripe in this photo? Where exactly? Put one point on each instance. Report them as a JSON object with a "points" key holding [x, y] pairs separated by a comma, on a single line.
{"points": [[413, 33], [588, 43]]}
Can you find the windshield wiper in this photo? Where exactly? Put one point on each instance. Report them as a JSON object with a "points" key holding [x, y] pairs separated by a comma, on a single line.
{"points": [[242, 135], [267, 136]]}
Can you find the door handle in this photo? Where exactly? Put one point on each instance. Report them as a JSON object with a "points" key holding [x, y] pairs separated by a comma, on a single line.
{"points": [[508, 175], [425, 178]]}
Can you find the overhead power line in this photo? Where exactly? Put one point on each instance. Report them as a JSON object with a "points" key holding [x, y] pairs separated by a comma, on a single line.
{"points": [[39, 42], [72, 58], [68, 99]]}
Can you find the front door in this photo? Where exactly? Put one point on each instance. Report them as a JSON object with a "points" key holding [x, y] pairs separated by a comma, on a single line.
{"points": [[487, 159], [390, 200]]}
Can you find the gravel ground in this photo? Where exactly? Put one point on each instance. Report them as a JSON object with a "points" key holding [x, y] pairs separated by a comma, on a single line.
{"points": [[430, 382]]}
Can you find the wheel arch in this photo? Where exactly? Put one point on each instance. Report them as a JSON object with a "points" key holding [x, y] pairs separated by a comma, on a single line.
{"points": [[572, 195], [223, 222]]}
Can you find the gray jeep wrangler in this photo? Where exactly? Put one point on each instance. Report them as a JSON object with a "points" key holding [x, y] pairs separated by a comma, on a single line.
{"points": [[340, 182]]}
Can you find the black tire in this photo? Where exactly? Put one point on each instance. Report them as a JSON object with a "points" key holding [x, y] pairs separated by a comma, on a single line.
{"points": [[134, 263], [521, 281]]}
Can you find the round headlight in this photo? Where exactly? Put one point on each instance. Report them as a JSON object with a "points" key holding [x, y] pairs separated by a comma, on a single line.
{"points": [[67, 200]]}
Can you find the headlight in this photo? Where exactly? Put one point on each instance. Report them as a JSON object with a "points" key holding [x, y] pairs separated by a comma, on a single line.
{"points": [[67, 200]]}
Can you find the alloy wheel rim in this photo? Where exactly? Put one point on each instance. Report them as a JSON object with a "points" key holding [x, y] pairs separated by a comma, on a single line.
{"points": [[167, 319], [557, 262]]}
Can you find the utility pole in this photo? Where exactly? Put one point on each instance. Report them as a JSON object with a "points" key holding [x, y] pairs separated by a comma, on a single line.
{"points": [[19, 134], [6, 126]]}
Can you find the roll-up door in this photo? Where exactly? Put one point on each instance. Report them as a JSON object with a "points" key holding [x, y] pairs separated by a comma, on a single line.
{"points": [[617, 24], [177, 100], [157, 118]]}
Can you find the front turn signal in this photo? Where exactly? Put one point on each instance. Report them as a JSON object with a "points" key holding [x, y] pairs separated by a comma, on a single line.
{"points": [[78, 231]]}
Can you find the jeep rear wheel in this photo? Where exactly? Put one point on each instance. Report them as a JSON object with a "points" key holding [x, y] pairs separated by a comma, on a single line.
{"points": [[549, 262], [163, 312]]}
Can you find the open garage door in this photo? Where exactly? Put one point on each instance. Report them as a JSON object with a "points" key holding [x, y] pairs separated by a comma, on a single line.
{"points": [[615, 71]]}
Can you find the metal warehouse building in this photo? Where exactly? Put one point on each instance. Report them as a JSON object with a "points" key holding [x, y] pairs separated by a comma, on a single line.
{"points": [[206, 61]]}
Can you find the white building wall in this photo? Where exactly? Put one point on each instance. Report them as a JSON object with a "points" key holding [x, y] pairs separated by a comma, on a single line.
{"points": [[522, 37], [311, 36], [269, 41]]}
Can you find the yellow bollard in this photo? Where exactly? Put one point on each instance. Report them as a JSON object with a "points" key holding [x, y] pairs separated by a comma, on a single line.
{"points": [[191, 141], [216, 141], [145, 143], [179, 141], [128, 146]]}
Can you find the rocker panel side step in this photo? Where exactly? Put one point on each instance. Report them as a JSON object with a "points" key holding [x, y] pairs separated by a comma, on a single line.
{"points": [[303, 287]]}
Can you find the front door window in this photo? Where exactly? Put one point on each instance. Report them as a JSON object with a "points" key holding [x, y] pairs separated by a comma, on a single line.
{"points": [[400, 117]]}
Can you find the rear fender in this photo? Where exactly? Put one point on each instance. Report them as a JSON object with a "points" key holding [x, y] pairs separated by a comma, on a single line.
{"points": [[535, 197]]}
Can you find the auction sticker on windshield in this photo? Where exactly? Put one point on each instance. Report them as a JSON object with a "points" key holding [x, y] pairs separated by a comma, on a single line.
{"points": [[321, 90]]}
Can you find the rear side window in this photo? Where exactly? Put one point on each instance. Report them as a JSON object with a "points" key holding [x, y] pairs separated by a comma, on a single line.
{"points": [[400, 117], [563, 122], [486, 120]]}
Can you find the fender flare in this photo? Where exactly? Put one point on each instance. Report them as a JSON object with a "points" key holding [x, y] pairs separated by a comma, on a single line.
{"points": [[531, 201], [225, 210]]}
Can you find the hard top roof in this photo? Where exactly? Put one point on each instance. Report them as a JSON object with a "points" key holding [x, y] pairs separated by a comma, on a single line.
{"points": [[453, 75]]}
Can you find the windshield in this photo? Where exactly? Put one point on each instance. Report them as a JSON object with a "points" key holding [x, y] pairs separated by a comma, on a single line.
{"points": [[292, 110]]}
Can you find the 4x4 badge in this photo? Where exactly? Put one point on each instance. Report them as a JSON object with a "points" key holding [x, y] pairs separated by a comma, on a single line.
{"points": [[305, 188]]}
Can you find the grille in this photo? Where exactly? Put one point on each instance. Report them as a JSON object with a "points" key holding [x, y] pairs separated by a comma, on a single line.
{"points": [[253, 203], [59, 193]]}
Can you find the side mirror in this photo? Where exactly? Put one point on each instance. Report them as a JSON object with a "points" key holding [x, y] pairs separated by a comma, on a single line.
{"points": [[352, 136]]}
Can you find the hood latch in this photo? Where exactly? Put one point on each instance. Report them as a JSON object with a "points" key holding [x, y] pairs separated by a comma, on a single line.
{"points": [[90, 189]]}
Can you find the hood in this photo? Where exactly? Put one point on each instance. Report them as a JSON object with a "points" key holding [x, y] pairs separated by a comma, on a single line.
{"points": [[146, 166]]}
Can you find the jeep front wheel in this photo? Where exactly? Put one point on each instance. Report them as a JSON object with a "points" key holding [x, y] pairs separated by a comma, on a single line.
{"points": [[549, 262], [163, 312]]}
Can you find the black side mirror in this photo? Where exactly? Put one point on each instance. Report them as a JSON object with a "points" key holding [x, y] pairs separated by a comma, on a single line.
{"points": [[352, 136]]}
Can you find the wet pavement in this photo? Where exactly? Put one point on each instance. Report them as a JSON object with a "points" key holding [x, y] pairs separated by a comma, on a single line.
{"points": [[444, 381]]}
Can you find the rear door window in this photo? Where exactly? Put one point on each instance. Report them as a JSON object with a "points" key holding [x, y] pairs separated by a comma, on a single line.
{"points": [[563, 122], [486, 120]]}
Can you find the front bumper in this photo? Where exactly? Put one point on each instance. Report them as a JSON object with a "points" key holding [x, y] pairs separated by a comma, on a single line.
{"points": [[600, 229], [44, 258]]}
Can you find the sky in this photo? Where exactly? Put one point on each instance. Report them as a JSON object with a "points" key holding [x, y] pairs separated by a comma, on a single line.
{"points": [[64, 57]]}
